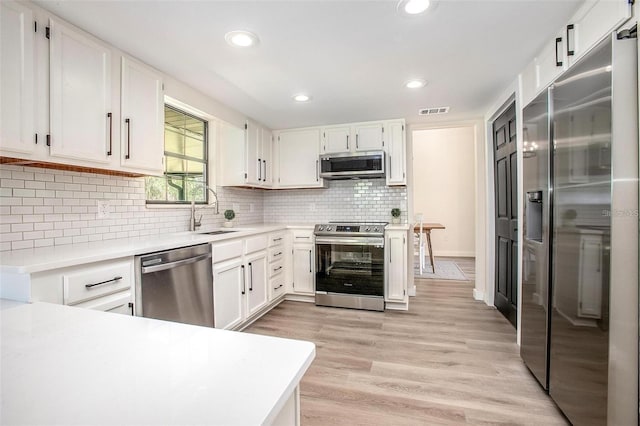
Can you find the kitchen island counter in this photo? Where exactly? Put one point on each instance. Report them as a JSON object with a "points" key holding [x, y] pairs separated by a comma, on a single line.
{"points": [[67, 365]]}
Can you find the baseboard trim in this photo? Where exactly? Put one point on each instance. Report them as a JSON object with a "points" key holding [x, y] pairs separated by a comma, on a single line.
{"points": [[478, 295], [454, 254], [300, 298]]}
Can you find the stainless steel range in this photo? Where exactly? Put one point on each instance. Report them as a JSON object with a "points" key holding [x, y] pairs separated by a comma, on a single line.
{"points": [[350, 265]]}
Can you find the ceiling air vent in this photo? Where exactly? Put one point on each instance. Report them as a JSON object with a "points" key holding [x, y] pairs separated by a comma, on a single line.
{"points": [[433, 111]]}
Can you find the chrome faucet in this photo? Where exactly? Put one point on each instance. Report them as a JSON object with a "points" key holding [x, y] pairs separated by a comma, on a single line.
{"points": [[216, 197], [194, 223]]}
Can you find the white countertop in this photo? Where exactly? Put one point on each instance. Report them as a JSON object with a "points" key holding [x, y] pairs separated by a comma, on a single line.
{"points": [[65, 365], [48, 258]]}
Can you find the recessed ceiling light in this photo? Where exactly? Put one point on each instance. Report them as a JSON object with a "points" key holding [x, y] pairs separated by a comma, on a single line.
{"points": [[241, 38], [415, 83], [301, 97], [413, 7]]}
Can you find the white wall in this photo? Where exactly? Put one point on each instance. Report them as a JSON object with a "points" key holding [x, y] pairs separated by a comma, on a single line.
{"points": [[444, 186]]}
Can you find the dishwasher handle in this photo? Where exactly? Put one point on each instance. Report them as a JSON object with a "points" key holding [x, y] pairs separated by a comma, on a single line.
{"points": [[164, 266]]}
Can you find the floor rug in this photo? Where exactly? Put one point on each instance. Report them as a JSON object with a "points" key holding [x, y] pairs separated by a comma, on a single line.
{"points": [[445, 270]]}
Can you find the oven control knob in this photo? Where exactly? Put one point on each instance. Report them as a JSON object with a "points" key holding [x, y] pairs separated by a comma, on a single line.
{"points": [[376, 229], [367, 229], [328, 228], [320, 228]]}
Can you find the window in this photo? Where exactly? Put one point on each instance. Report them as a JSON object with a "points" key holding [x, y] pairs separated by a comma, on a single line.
{"points": [[185, 161]]}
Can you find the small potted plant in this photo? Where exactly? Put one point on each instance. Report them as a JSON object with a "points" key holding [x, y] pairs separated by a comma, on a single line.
{"points": [[395, 215], [229, 215]]}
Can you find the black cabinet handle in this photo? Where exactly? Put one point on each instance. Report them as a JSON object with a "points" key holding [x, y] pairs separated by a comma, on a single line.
{"points": [[109, 116], [264, 163], [317, 172], [131, 307], [558, 59], [250, 277], [277, 269], [356, 141], [310, 262], [280, 286], [128, 122], [244, 284], [347, 142], [570, 40], [259, 170], [112, 280]]}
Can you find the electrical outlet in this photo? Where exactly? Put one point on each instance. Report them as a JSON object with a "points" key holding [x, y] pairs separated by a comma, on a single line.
{"points": [[103, 209], [236, 207]]}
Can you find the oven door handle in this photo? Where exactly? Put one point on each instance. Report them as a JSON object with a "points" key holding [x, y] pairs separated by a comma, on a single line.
{"points": [[351, 241]]}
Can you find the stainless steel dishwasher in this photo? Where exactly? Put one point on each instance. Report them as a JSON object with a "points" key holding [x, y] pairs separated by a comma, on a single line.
{"points": [[176, 285]]}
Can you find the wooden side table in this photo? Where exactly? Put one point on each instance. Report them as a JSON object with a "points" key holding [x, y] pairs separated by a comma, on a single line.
{"points": [[426, 228]]}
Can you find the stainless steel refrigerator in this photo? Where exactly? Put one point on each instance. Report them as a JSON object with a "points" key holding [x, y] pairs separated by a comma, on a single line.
{"points": [[576, 285]]}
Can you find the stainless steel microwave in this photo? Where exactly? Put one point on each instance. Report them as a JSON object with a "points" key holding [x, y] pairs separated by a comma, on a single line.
{"points": [[366, 164]]}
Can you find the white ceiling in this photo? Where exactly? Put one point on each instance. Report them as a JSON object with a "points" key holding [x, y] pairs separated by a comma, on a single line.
{"points": [[353, 57]]}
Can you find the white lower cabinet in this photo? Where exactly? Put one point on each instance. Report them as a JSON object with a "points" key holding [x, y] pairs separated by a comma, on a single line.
{"points": [[228, 293], [241, 280], [303, 267], [396, 267], [104, 286], [256, 292]]}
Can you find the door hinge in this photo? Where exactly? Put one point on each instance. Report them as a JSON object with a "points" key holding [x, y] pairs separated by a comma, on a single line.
{"points": [[628, 33], [162, 86], [403, 127], [245, 175], [36, 139], [404, 292], [278, 180], [324, 135], [383, 129], [404, 176], [47, 32], [246, 126], [48, 140], [35, 26]]}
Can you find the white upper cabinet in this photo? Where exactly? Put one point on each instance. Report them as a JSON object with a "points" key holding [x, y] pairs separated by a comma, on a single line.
{"points": [[267, 157], [396, 147], [246, 155], [142, 118], [369, 136], [80, 103], [593, 21], [253, 167], [16, 79], [298, 154], [336, 139]]}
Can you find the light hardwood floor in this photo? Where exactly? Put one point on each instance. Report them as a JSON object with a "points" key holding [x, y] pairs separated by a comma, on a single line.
{"points": [[448, 360]]}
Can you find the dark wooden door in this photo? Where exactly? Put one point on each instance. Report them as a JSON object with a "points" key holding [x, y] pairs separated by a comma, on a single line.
{"points": [[506, 200]]}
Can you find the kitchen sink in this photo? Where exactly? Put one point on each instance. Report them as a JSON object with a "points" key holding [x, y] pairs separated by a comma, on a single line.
{"points": [[218, 232]]}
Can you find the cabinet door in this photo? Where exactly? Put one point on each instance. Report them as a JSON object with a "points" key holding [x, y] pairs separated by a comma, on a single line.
{"points": [[256, 271], [299, 152], [303, 267], [590, 277], [229, 287], [16, 79], [80, 84], [142, 118], [253, 167], [336, 139], [396, 250], [396, 153], [369, 136], [266, 154], [551, 62], [595, 20]]}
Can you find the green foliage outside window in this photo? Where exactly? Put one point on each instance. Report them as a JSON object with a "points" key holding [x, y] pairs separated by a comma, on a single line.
{"points": [[185, 162]]}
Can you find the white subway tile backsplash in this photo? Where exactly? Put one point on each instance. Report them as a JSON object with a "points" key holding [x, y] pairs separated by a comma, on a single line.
{"points": [[53, 207]]}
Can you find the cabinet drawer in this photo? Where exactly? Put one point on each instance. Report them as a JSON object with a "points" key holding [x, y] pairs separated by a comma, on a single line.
{"points": [[92, 282], [257, 243], [276, 287], [276, 253], [117, 303], [276, 239], [276, 268], [225, 251], [302, 236]]}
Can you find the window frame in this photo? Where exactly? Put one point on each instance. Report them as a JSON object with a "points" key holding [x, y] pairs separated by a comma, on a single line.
{"points": [[185, 110]]}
